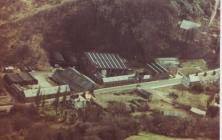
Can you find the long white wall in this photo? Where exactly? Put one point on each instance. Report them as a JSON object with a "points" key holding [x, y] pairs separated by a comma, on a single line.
{"points": [[208, 77], [46, 91]]}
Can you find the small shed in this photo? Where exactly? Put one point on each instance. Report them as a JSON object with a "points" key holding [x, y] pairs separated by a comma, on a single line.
{"points": [[188, 25], [198, 111]]}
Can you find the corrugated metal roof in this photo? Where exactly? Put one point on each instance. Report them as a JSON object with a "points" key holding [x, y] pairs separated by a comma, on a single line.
{"points": [[77, 81], [26, 76], [106, 60], [14, 77], [156, 68]]}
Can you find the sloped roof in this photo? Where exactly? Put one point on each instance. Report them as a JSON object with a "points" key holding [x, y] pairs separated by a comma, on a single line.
{"points": [[106, 60], [76, 81], [156, 68], [26, 77], [20, 78], [13, 77], [198, 111]]}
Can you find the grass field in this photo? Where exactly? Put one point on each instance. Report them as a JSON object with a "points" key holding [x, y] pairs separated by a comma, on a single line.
{"points": [[187, 98], [104, 99]]}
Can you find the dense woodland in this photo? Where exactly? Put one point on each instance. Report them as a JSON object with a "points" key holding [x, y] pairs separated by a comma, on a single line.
{"points": [[136, 29]]}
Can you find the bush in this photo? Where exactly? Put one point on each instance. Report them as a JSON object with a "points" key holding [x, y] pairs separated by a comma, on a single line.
{"points": [[118, 108], [28, 111], [5, 126], [180, 127], [197, 88], [93, 113], [39, 132], [19, 121]]}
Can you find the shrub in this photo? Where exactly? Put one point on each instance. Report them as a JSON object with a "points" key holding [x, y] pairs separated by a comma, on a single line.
{"points": [[5, 126], [180, 127], [20, 121], [29, 111], [118, 108]]}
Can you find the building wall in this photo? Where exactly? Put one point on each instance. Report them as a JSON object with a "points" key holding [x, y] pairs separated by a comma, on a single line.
{"points": [[206, 78], [209, 78], [50, 91]]}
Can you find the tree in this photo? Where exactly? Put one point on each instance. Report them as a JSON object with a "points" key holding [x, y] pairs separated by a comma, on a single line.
{"points": [[43, 103], [38, 97], [56, 102]]}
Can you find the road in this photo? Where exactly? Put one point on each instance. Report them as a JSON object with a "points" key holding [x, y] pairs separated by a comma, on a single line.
{"points": [[145, 85]]}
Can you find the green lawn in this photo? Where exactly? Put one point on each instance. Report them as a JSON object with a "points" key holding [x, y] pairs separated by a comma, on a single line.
{"points": [[104, 99], [187, 98]]}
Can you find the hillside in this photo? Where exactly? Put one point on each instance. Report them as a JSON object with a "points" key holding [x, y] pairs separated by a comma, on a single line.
{"points": [[31, 29]]}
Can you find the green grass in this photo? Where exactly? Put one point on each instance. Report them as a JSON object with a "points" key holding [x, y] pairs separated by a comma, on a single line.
{"points": [[195, 63], [104, 99], [187, 98]]}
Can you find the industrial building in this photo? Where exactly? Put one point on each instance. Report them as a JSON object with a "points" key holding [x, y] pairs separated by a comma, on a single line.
{"points": [[157, 71], [23, 78], [76, 81], [107, 64], [106, 67], [26, 86], [170, 63]]}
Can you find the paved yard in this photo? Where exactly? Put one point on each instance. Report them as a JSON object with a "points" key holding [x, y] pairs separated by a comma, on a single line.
{"points": [[43, 79]]}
